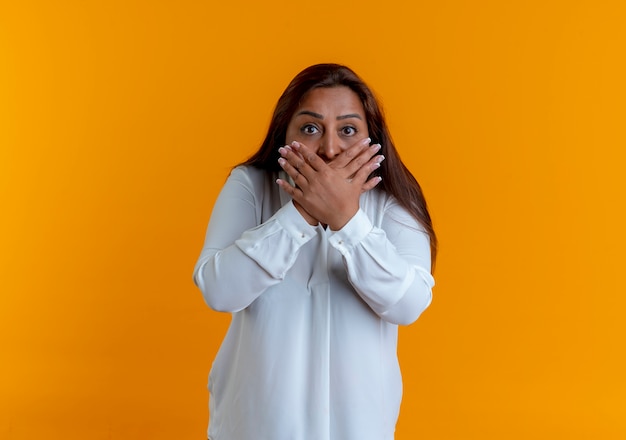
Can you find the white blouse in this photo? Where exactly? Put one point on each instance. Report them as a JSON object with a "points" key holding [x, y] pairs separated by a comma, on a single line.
{"points": [[310, 353]]}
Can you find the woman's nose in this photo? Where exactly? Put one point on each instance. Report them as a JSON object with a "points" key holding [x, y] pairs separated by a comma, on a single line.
{"points": [[330, 147]]}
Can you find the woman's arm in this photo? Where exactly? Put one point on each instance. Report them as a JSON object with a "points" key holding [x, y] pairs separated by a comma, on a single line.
{"points": [[242, 258], [389, 267]]}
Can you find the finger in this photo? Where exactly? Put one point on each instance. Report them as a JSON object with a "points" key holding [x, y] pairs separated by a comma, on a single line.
{"points": [[292, 159], [373, 164], [309, 156], [350, 153], [288, 188], [286, 150], [292, 172], [371, 184], [364, 159]]}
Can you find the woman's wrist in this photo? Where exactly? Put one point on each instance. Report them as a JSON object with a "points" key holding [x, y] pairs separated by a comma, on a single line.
{"points": [[341, 221], [308, 217]]}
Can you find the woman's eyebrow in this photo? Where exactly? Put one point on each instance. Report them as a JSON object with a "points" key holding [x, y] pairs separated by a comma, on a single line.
{"points": [[351, 115], [310, 113], [321, 117]]}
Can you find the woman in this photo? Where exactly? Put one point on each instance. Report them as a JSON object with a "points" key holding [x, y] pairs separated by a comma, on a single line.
{"points": [[319, 249]]}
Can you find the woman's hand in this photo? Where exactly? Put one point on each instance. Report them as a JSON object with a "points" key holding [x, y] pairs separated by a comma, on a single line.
{"points": [[329, 192]]}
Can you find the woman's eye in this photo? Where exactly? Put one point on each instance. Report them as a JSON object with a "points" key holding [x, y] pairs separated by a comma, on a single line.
{"points": [[309, 129], [348, 131]]}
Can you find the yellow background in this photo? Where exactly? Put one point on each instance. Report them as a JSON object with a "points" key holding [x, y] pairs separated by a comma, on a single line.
{"points": [[119, 122]]}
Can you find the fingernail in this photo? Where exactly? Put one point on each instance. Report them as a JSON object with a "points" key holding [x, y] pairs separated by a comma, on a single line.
{"points": [[282, 151], [375, 147], [380, 158], [366, 141], [281, 161], [295, 144]]}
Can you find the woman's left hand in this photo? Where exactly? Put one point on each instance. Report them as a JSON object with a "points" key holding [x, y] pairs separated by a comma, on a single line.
{"points": [[329, 192]]}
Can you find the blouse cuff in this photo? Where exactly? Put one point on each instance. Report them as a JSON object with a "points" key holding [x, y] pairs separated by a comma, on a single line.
{"points": [[275, 244], [352, 233], [292, 221]]}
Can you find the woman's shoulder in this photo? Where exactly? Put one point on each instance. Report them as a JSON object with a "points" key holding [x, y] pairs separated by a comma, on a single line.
{"points": [[257, 181], [253, 175]]}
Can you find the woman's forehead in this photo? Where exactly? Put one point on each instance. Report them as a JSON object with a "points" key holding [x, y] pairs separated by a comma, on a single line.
{"points": [[333, 99]]}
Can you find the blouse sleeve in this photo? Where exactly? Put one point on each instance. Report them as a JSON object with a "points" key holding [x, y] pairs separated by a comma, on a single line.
{"points": [[389, 267], [242, 258]]}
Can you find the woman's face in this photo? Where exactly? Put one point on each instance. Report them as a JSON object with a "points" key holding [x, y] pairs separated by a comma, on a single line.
{"points": [[328, 120]]}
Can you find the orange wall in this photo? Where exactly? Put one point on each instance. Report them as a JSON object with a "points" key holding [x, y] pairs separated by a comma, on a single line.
{"points": [[119, 121]]}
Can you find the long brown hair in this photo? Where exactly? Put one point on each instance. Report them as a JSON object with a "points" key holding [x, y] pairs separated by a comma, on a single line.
{"points": [[397, 180]]}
